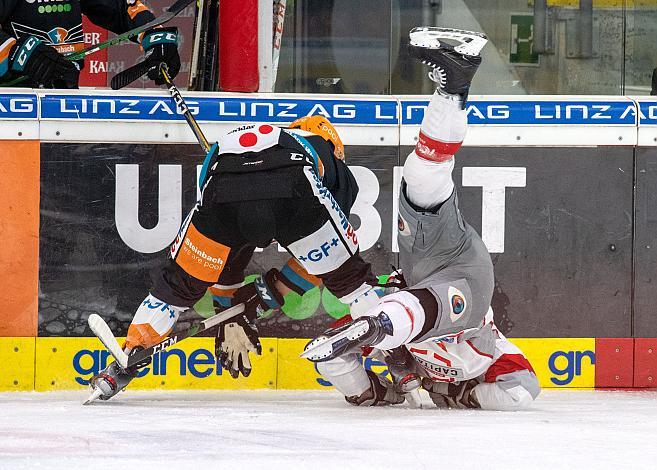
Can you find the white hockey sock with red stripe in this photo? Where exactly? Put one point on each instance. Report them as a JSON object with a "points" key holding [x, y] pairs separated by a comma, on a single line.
{"points": [[428, 169]]}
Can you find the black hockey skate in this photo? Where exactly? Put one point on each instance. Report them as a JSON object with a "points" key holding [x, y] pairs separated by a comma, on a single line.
{"points": [[453, 66], [112, 379], [109, 382], [350, 337]]}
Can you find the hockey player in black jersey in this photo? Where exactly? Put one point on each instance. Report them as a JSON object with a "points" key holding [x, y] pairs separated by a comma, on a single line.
{"points": [[35, 35], [258, 183]]}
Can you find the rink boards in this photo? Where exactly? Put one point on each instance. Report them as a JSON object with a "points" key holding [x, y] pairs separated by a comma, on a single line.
{"points": [[95, 185], [45, 364]]}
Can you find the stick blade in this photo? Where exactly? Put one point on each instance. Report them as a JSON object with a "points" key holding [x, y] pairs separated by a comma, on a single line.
{"points": [[105, 335], [179, 6], [129, 75]]}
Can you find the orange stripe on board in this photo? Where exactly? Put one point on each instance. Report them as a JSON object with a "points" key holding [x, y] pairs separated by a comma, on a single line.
{"points": [[19, 225]]}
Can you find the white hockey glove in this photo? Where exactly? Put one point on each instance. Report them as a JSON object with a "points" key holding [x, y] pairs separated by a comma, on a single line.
{"points": [[381, 392], [452, 395], [235, 342]]}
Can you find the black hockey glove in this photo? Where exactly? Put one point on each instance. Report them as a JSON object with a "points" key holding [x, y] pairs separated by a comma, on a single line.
{"points": [[42, 64], [161, 45], [381, 392], [235, 340], [452, 395]]}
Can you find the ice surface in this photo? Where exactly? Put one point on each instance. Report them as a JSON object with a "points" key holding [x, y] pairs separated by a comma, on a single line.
{"points": [[318, 430]]}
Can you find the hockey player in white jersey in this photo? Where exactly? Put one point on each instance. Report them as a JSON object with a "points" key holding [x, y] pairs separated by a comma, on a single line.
{"points": [[441, 327]]}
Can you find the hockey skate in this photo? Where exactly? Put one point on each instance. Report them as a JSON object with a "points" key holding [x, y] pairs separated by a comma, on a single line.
{"points": [[108, 382], [453, 66], [350, 337], [112, 379]]}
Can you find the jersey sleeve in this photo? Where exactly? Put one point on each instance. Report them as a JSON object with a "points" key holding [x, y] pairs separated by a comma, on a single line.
{"points": [[117, 16]]}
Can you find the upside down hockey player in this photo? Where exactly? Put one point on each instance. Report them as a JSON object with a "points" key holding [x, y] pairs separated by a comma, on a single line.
{"points": [[443, 321], [34, 36], [258, 183]]}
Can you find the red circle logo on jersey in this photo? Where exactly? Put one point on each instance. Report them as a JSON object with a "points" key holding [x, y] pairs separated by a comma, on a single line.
{"points": [[248, 140], [265, 129]]}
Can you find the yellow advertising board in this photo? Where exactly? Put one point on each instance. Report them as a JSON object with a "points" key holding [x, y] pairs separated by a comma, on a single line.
{"points": [[68, 363], [560, 362], [46, 364], [17, 359]]}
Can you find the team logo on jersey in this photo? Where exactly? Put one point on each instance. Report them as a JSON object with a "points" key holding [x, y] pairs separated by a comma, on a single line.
{"points": [[457, 303], [55, 37], [403, 227]]}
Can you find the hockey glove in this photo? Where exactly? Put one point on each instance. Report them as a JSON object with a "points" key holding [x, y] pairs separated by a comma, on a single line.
{"points": [[381, 392], [42, 64], [236, 339], [452, 395], [233, 345], [161, 45]]}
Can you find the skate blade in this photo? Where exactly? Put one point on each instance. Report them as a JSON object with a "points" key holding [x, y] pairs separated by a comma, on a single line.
{"points": [[469, 42], [322, 348], [95, 394]]}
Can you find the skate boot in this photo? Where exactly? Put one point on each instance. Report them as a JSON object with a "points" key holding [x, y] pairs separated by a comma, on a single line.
{"points": [[350, 337], [111, 380], [453, 66]]}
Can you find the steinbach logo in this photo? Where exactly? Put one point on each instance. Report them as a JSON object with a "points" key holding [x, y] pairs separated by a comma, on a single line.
{"points": [[201, 253], [200, 363], [567, 370]]}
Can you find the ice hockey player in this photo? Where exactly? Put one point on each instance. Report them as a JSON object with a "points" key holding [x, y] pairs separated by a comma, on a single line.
{"points": [[442, 325], [34, 36], [258, 183]]}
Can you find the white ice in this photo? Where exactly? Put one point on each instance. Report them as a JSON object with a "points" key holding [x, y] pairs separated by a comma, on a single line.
{"points": [[318, 430]]}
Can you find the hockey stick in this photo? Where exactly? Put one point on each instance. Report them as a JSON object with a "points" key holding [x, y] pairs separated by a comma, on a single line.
{"points": [[182, 106], [105, 335], [129, 75], [279, 18], [133, 73], [198, 25], [170, 13]]}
